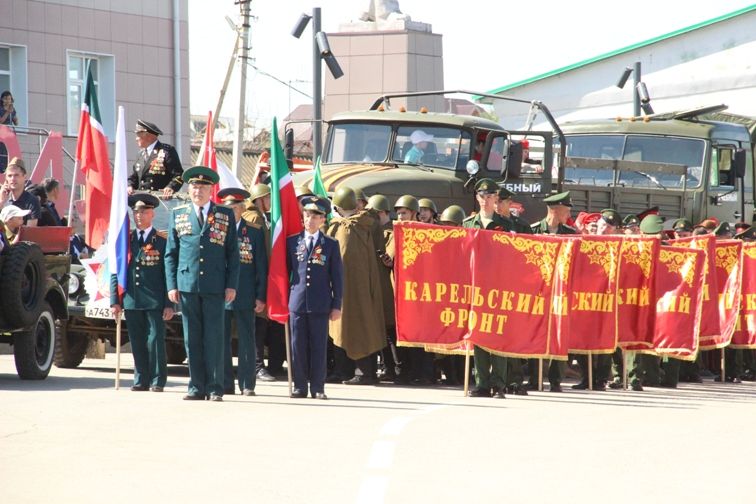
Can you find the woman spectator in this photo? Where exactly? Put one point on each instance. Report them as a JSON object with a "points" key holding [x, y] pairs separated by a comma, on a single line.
{"points": [[7, 111]]}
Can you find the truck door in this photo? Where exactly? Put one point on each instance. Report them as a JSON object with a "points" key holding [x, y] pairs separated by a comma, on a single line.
{"points": [[723, 196]]}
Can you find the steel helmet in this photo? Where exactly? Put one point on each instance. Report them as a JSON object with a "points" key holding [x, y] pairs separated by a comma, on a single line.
{"points": [[379, 202], [453, 213], [407, 201], [345, 198], [258, 191], [427, 203]]}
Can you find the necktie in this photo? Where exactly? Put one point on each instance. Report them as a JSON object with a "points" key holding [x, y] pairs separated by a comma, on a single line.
{"points": [[141, 238], [201, 217], [310, 242]]}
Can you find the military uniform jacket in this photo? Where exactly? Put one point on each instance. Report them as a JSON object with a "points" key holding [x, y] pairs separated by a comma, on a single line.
{"points": [[498, 223], [206, 260], [542, 227], [145, 284], [519, 225], [315, 279], [253, 268], [161, 168]]}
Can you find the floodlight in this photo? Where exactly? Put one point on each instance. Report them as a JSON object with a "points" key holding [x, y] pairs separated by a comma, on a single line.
{"points": [[643, 92], [647, 108], [299, 28], [623, 78]]}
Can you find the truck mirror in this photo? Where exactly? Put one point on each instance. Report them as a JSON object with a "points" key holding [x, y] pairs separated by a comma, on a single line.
{"points": [[289, 147], [514, 160], [739, 163]]}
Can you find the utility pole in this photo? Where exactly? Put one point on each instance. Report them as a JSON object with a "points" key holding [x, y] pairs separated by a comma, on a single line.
{"points": [[240, 117], [317, 89], [636, 96]]}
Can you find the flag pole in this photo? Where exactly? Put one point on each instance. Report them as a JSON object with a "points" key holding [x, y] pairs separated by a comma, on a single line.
{"points": [[288, 355], [118, 353], [590, 371], [722, 358], [540, 375], [625, 370], [467, 368], [73, 191]]}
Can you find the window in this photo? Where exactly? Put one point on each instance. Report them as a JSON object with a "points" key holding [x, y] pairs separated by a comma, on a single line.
{"points": [[13, 78], [441, 146], [103, 74], [358, 143], [5, 70]]}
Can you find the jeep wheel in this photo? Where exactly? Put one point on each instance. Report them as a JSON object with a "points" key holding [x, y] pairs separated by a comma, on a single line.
{"points": [[175, 352], [33, 350], [22, 285], [70, 348]]}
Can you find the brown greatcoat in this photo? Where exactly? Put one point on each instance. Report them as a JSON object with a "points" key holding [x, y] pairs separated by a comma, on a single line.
{"points": [[387, 285], [361, 329]]}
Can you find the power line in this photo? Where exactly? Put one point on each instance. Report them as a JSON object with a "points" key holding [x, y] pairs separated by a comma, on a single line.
{"points": [[279, 80]]}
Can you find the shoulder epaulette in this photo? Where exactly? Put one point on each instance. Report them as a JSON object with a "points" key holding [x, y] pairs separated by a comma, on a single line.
{"points": [[181, 207]]}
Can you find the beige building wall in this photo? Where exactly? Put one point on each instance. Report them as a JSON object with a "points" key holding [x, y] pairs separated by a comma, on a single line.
{"points": [[376, 63], [133, 42]]}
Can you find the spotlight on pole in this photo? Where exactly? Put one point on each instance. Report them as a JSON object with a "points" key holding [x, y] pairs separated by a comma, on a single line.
{"points": [[623, 78], [643, 92], [327, 55], [299, 28]]}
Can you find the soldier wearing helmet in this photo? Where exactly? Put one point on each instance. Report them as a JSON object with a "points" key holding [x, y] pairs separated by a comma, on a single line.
{"points": [[427, 213], [452, 216]]}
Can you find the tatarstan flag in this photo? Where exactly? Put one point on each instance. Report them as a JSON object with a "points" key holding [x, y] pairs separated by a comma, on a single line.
{"points": [[92, 157], [285, 221]]}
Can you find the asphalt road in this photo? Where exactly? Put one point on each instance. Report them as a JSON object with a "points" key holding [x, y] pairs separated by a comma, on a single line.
{"points": [[74, 439]]}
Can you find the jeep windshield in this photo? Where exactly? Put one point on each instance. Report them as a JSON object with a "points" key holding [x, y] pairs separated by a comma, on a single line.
{"points": [[441, 147], [644, 148]]}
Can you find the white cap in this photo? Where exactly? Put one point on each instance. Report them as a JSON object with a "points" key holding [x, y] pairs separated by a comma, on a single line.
{"points": [[12, 211], [418, 136]]}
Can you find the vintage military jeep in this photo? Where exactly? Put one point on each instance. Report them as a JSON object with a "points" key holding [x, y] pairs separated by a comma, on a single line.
{"points": [[33, 294], [369, 149]]}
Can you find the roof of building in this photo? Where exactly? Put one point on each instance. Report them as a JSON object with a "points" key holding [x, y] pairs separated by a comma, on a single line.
{"points": [[625, 49]]}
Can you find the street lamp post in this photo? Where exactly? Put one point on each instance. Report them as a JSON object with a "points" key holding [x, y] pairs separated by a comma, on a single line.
{"points": [[641, 98]]}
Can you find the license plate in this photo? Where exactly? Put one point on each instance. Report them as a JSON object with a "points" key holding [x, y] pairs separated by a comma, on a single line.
{"points": [[101, 312]]}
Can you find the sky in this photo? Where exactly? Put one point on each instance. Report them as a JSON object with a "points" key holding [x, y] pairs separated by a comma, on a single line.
{"points": [[486, 44]]}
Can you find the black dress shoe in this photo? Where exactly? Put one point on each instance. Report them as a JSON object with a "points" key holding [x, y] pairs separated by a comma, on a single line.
{"points": [[517, 389], [500, 393], [360, 380], [297, 394], [194, 397], [156, 389], [264, 375], [530, 386], [636, 386], [481, 392], [555, 387], [248, 392], [139, 388], [334, 378], [580, 386], [216, 398], [320, 395]]}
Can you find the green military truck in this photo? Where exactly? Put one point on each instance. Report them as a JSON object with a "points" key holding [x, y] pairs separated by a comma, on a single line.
{"points": [[34, 277], [369, 150], [695, 163]]}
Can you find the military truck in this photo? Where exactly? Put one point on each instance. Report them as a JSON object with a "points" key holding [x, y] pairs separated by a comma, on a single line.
{"points": [[368, 150], [34, 276], [694, 163]]}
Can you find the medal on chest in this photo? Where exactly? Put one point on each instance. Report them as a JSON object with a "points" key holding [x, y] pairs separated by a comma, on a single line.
{"points": [[182, 224], [157, 166], [245, 248], [150, 256], [218, 224]]}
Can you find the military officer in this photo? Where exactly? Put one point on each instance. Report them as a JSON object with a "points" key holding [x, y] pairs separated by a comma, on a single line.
{"points": [[158, 166], [315, 293], [202, 271], [250, 295], [631, 225], [557, 213], [682, 228], [428, 212], [145, 302], [490, 369], [503, 206]]}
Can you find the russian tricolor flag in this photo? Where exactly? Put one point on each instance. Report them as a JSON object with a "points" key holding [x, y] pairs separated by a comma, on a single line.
{"points": [[118, 231]]}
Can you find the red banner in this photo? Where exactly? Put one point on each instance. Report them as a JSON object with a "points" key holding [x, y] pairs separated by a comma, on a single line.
{"points": [[727, 268], [636, 310], [591, 323], [710, 314], [745, 329], [679, 281]]}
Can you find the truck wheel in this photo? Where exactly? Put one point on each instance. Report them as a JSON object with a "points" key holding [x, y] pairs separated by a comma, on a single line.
{"points": [[175, 352], [33, 350], [70, 348], [22, 285]]}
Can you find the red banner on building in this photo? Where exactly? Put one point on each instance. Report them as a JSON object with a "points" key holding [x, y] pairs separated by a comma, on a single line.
{"points": [[636, 290], [591, 322], [745, 328], [679, 281]]}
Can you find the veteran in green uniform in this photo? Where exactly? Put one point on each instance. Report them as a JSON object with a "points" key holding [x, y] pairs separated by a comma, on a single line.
{"points": [[490, 369], [250, 296], [202, 271], [145, 303], [557, 213]]}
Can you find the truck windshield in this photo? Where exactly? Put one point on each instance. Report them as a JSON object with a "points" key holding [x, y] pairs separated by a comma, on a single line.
{"points": [[432, 146], [651, 149], [358, 143]]}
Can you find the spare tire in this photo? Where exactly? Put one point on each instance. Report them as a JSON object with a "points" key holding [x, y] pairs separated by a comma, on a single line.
{"points": [[22, 284]]}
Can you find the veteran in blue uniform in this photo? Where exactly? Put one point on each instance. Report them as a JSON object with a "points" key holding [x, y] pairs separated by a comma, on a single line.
{"points": [[250, 295], [145, 303], [315, 292], [202, 272], [158, 166]]}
